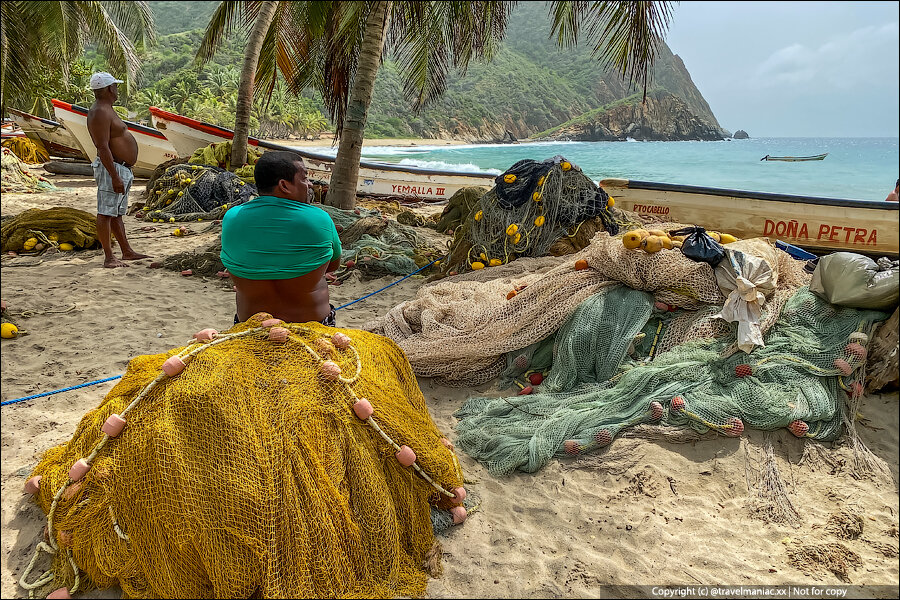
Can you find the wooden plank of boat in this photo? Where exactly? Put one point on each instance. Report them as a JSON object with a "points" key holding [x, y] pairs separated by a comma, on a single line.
{"points": [[794, 158], [375, 179], [819, 224], [52, 135], [153, 147]]}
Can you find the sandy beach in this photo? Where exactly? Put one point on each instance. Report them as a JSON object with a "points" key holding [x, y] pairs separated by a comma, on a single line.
{"points": [[642, 513], [326, 140]]}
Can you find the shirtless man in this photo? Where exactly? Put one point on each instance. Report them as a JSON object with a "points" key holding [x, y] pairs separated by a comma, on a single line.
{"points": [[116, 153], [278, 247]]}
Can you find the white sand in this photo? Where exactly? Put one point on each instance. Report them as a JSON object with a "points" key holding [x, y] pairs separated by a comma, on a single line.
{"points": [[650, 513]]}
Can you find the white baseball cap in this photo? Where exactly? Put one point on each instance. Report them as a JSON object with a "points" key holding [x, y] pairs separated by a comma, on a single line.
{"points": [[102, 80]]}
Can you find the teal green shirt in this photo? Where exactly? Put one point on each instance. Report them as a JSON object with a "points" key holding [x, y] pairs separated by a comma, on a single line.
{"points": [[274, 238]]}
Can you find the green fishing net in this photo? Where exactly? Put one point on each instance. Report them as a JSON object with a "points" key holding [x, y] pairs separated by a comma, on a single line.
{"points": [[604, 380]]}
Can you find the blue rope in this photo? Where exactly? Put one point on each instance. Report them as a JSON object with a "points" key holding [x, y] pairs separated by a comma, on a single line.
{"points": [[81, 385], [74, 387]]}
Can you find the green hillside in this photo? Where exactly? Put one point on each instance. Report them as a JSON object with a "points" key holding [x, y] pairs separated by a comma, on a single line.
{"points": [[531, 86]]}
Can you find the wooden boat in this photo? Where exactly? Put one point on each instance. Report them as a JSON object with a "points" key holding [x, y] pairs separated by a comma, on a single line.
{"points": [[816, 224], [153, 147], [375, 178], [794, 158], [55, 138]]}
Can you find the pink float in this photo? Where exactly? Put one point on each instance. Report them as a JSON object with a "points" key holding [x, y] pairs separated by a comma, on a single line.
{"points": [[448, 444], [79, 469], [330, 370], [260, 316], [324, 347], [536, 378], [363, 409], [459, 493], [278, 334], [72, 490], [459, 514], [678, 404], [572, 447], [33, 485], [526, 390], [206, 335], [64, 537], [271, 322], [173, 366], [856, 390], [406, 456], [656, 411], [603, 438], [113, 425], [735, 427], [798, 428], [60, 593], [661, 306], [341, 340], [843, 366]]}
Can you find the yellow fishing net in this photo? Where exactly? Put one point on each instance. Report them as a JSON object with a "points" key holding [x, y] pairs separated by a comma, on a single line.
{"points": [[251, 474]]}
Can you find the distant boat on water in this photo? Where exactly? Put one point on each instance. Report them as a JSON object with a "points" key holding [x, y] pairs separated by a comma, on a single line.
{"points": [[794, 158]]}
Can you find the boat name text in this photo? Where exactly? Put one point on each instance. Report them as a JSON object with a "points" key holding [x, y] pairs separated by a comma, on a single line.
{"points": [[831, 233], [418, 189], [651, 209]]}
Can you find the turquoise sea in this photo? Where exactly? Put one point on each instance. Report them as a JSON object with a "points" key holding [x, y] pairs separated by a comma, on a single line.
{"points": [[855, 168]]}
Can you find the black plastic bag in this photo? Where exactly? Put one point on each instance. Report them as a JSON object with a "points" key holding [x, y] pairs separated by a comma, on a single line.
{"points": [[699, 246]]}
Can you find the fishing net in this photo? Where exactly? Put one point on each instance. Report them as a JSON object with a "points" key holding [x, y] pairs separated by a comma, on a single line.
{"points": [[49, 228], [28, 151], [813, 359], [532, 206], [258, 470], [218, 154], [15, 177], [188, 192], [459, 208]]}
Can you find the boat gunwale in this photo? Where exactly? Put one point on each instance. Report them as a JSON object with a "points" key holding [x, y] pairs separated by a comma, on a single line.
{"points": [[131, 125], [229, 134], [32, 117], [769, 196]]}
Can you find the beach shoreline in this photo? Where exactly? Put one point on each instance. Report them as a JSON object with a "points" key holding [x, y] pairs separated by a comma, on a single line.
{"points": [[324, 141], [640, 513]]}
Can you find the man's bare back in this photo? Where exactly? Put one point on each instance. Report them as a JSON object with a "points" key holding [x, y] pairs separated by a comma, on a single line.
{"points": [[296, 300]]}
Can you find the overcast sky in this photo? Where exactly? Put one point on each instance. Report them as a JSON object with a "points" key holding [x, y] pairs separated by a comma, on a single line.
{"points": [[794, 69]]}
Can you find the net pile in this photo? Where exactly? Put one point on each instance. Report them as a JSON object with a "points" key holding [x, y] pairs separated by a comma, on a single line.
{"points": [[532, 206], [15, 176], [189, 192], [28, 151], [50, 227], [253, 471], [803, 378], [460, 329], [218, 154]]}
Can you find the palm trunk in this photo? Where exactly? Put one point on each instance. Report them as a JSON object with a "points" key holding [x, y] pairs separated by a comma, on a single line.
{"points": [[342, 190], [245, 87]]}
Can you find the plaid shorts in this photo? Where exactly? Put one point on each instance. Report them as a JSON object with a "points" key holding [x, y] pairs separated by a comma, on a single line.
{"points": [[109, 203]]}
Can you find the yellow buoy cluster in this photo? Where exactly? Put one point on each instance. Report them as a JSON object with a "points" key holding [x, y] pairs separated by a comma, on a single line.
{"points": [[39, 242], [653, 240]]}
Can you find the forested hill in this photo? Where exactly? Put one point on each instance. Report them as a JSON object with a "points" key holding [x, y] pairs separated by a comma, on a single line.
{"points": [[531, 85]]}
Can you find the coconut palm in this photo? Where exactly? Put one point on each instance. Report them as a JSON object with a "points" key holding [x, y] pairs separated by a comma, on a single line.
{"points": [[41, 36], [331, 44]]}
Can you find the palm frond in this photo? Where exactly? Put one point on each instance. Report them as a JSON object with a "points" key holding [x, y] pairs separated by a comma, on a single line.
{"points": [[221, 23]]}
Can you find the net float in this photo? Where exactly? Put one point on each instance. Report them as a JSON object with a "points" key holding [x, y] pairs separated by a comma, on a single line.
{"points": [[341, 340], [448, 444], [656, 411], [206, 335], [330, 370], [743, 370], [734, 427], [855, 349], [173, 366], [60, 593], [603, 438], [572, 447], [72, 490], [324, 347], [459, 493], [459, 514], [271, 322], [677, 404], [33, 485], [362, 408], [536, 378], [843, 366], [798, 428], [113, 425], [525, 390], [581, 264], [405, 456], [79, 469]]}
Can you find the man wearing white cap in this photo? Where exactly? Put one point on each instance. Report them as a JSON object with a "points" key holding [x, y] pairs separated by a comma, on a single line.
{"points": [[116, 153]]}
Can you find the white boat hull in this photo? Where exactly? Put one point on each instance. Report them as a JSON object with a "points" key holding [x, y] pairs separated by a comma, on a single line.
{"points": [[822, 224], [153, 147], [55, 138], [188, 135]]}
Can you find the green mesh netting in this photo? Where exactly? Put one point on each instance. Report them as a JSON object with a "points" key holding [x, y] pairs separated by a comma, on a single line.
{"points": [[189, 192], [800, 379]]}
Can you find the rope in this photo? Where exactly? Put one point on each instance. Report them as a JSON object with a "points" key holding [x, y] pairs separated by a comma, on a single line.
{"points": [[81, 385]]}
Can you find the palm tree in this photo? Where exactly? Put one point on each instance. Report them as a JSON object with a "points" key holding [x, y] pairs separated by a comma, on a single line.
{"points": [[37, 36], [331, 44]]}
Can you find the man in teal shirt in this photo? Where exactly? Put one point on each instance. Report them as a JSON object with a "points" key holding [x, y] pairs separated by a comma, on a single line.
{"points": [[278, 247]]}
